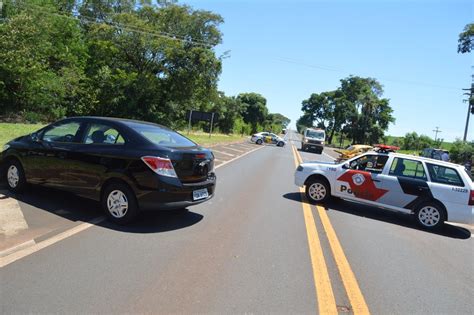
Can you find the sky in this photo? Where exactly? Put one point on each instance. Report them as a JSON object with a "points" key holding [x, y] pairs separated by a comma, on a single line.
{"points": [[287, 50]]}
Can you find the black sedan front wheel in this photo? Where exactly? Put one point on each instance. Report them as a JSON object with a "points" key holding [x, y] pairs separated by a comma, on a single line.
{"points": [[15, 176], [119, 203]]}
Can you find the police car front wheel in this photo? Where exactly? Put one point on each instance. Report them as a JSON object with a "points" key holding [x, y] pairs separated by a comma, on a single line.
{"points": [[318, 190], [430, 215]]}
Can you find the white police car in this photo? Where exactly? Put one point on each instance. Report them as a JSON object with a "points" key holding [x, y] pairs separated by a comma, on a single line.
{"points": [[267, 137], [432, 190]]}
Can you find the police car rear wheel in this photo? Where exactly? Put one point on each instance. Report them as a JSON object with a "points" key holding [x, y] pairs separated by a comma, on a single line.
{"points": [[430, 215], [259, 141], [317, 191]]}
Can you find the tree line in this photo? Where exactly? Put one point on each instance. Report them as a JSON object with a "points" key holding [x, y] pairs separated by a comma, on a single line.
{"points": [[355, 110], [141, 59]]}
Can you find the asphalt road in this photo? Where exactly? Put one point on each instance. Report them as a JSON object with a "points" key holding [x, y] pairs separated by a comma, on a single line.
{"points": [[251, 249]]}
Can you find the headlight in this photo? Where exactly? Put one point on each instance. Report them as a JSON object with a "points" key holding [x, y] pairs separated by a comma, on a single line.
{"points": [[322, 142], [305, 140], [6, 147]]}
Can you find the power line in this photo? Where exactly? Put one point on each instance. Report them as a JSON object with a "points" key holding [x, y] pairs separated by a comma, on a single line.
{"points": [[335, 69], [126, 27]]}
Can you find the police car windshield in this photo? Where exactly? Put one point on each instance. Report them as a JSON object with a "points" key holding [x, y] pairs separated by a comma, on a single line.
{"points": [[315, 134]]}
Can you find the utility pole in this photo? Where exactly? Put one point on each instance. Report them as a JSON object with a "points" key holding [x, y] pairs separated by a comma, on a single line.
{"points": [[436, 131], [470, 109]]}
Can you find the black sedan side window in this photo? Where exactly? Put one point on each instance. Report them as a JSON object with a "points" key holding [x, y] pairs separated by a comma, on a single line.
{"points": [[66, 132], [103, 134]]}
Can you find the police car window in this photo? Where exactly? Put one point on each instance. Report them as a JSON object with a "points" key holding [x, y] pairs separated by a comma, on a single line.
{"points": [[103, 134], [444, 175], [407, 168], [370, 163]]}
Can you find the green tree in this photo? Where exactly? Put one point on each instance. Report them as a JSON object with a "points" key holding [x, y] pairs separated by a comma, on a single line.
{"points": [[305, 121], [466, 39], [254, 109], [461, 151], [42, 61], [372, 114]]}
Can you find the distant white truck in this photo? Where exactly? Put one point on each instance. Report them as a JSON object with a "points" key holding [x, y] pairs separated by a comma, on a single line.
{"points": [[313, 138]]}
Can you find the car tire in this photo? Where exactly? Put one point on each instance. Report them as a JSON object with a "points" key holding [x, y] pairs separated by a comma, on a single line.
{"points": [[259, 141], [15, 176], [280, 144], [430, 215], [318, 190], [303, 148], [119, 203]]}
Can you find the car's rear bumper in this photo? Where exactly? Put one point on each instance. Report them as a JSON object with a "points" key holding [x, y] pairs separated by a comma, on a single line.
{"points": [[170, 197]]}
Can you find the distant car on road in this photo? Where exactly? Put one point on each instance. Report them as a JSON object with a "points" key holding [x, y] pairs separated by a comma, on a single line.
{"points": [[267, 137], [127, 165], [313, 139], [434, 191]]}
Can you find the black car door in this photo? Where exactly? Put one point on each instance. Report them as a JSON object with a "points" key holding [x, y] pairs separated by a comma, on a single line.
{"points": [[101, 150], [54, 156]]}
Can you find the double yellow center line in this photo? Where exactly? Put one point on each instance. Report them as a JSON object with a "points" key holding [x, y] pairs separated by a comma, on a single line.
{"points": [[324, 292]]}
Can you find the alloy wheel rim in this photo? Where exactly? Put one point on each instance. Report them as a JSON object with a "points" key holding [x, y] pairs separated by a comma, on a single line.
{"points": [[12, 176], [117, 204], [429, 216], [317, 191]]}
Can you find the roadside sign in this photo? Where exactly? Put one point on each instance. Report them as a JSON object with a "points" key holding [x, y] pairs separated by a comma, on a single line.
{"points": [[195, 115]]}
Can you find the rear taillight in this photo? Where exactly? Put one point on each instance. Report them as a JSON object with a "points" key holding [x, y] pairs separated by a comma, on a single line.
{"points": [[160, 166], [471, 198]]}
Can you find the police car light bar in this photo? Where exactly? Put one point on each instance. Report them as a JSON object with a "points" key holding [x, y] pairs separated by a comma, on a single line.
{"points": [[383, 148]]}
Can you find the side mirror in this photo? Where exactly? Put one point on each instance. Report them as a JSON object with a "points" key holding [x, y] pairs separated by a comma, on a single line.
{"points": [[34, 137], [346, 166]]}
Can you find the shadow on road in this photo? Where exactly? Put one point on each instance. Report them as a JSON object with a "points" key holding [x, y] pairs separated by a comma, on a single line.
{"points": [[47, 201], [378, 214]]}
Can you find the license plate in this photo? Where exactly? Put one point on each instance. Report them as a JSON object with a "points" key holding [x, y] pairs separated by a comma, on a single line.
{"points": [[200, 194]]}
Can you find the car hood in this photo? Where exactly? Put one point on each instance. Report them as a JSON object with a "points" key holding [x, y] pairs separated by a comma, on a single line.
{"points": [[317, 164]]}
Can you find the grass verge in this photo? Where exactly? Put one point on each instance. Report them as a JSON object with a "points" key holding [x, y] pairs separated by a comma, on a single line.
{"points": [[9, 131]]}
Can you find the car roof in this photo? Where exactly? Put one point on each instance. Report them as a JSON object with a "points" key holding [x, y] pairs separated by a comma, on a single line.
{"points": [[115, 120], [419, 158]]}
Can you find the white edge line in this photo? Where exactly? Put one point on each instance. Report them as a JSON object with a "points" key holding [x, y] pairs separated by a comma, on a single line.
{"points": [[230, 148], [238, 157], [228, 154], [16, 248], [4, 261]]}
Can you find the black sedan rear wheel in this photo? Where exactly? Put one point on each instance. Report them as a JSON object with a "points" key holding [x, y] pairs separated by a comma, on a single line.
{"points": [[119, 203]]}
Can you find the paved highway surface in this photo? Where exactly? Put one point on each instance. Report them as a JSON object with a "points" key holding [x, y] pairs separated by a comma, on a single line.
{"points": [[257, 247]]}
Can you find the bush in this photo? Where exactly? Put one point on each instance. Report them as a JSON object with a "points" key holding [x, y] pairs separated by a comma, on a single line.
{"points": [[461, 151], [33, 117], [240, 127]]}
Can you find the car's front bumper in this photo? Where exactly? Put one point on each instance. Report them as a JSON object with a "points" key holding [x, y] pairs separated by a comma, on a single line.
{"points": [[300, 178], [169, 197]]}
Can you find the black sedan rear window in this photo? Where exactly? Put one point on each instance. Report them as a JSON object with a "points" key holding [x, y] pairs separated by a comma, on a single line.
{"points": [[161, 136]]}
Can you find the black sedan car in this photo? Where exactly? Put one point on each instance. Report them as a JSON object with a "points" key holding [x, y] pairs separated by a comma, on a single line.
{"points": [[127, 165]]}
